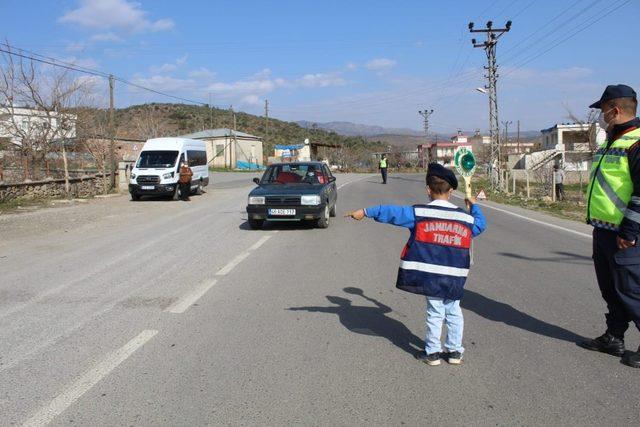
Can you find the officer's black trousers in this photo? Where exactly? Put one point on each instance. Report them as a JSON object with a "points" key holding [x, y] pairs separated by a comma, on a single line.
{"points": [[618, 273], [384, 175]]}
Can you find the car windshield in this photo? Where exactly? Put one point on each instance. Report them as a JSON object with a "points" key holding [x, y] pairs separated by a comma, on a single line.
{"points": [[157, 159], [294, 174]]}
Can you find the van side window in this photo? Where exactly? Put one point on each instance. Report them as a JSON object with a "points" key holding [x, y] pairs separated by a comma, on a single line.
{"points": [[197, 158]]}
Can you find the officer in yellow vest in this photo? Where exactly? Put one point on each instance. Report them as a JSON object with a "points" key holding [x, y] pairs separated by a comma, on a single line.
{"points": [[613, 209], [383, 168]]}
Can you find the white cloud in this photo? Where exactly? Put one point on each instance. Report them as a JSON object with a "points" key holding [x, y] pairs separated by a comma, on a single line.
{"points": [[105, 37], [251, 100], [169, 67], [320, 80], [202, 74], [352, 66], [380, 64], [166, 83], [120, 15]]}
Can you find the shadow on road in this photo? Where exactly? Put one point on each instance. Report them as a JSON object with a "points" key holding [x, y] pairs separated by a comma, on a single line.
{"points": [[367, 320], [562, 257], [500, 312], [282, 225], [400, 178]]}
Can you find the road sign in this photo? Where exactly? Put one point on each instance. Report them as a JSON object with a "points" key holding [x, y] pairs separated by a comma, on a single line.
{"points": [[465, 163], [481, 195]]}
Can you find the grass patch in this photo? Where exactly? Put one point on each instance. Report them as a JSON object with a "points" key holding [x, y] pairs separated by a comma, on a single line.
{"points": [[573, 208]]}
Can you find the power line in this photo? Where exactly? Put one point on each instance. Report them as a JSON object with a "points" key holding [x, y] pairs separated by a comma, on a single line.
{"points": [[33, 56]]}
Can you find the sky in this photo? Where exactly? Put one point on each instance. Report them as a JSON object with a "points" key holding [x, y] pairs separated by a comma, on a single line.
{"points": [[371, 62]]}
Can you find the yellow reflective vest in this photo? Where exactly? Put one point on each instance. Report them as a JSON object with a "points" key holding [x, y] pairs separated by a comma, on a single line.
{"points": [[610, 184], [383, 163]]}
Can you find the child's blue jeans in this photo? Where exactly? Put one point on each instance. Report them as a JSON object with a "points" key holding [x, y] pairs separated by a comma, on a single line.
{"points": [[449, 312]]}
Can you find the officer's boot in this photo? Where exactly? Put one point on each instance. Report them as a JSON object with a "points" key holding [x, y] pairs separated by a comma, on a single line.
{"points": [[632, 359], [606, 343]]}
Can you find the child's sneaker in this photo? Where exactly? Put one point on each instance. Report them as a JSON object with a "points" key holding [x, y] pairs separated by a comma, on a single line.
{"points": [[454, 358], [432, 359]]}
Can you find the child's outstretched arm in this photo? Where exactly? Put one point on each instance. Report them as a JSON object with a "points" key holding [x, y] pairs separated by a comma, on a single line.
{"points": [[479, 221], [402, 216]]}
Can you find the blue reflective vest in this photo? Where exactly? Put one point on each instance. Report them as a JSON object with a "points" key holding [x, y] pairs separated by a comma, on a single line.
{"points": [[435, 261]]}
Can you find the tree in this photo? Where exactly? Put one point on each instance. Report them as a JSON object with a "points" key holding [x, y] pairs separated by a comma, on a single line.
{"points": [[36, 110], [150, 123]]}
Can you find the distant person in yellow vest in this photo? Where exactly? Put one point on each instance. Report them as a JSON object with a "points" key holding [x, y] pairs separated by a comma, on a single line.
{"points": [[383, 168], [185, 180], [613, 208]]}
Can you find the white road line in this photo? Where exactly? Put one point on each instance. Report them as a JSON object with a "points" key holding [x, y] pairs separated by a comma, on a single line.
{"points": [[231, 264], [546, 224], [89, 379], [355, 180], [188, 300], [259, 243]]}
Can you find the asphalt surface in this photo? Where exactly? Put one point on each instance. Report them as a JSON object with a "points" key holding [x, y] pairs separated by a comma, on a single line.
{"points": [[174, 313]]}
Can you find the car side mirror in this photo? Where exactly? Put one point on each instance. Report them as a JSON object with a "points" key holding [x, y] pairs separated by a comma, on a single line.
{"points": [[332, 179], [256, 180]]}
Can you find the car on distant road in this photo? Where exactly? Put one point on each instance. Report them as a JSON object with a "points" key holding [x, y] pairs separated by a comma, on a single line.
{"points": [[297, 191]]}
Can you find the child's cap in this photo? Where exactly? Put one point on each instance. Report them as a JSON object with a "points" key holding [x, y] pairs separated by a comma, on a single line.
{"points": [[436, 169]]}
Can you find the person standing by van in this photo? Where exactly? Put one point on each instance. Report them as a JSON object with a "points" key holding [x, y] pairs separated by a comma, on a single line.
{"points": [[185, 180]]}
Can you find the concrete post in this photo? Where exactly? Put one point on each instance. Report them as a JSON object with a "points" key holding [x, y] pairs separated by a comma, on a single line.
{"points": [[553, 187], [528, 189], [513, 176]]}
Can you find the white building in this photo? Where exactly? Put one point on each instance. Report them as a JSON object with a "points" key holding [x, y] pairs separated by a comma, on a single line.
{"points": [[17, 123], [570, 137], [231, 149]]}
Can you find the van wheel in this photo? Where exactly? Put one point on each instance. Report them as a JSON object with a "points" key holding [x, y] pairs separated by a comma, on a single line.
{"points": [[135, 197], [332, 212], [256, 224], [324, 221], [176, 193], [199, 189]]}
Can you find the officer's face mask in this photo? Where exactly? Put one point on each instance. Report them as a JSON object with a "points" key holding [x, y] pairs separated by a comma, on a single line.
{"points": [[602, 122]]}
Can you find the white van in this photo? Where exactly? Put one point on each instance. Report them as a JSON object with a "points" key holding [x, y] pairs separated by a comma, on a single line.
{"points": [[157, 169]]}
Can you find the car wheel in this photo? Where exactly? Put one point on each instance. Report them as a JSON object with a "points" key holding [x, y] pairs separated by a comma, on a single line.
{"points": [[135, 197], [176, 193], [256, 224], [199, 189], [332, 212], [324, 221]]}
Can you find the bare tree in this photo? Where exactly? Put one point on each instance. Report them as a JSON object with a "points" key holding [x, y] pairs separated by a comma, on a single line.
{"points": [[150, 123], [36, 110]]}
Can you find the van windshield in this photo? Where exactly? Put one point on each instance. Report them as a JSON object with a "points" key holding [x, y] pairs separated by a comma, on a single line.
{"points": [[157, 159]]}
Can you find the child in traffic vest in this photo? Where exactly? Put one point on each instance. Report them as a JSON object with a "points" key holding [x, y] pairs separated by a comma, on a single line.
{"points": [[435, 261]]}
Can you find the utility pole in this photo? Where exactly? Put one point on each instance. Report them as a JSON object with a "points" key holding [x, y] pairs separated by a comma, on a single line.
{"points": [[266, 119], [506, 132], [234, 149], [210, 113], [518, 137], [425, 115], [112, 133], [493, 34]]}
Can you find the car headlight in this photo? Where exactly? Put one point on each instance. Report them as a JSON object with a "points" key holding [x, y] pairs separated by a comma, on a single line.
{"points": [[167, 175], [256, 200], [311, 199], [133, 176]]}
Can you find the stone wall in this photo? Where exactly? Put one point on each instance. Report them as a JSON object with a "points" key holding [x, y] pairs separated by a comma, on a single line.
{"points": [[85, 186]]}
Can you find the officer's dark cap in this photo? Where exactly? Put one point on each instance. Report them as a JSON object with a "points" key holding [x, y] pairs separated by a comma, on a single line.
{"points": [[614, 92], [436, 169]]}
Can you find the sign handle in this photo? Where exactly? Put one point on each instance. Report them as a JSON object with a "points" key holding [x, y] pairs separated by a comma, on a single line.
{"points": [[467, 186]]}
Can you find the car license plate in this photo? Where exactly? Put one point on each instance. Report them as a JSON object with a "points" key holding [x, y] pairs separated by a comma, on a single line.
{"points": [[147, 187], [282, 212]]}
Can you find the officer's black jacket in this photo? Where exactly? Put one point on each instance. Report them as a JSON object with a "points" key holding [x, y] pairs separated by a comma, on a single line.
{"points": [[629, 230]]}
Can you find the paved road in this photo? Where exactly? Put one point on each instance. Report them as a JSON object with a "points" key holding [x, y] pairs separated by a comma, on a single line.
{"points": [[158, 313]]}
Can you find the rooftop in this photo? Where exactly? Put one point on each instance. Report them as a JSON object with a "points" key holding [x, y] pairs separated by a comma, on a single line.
{"points": [[218, 133]]}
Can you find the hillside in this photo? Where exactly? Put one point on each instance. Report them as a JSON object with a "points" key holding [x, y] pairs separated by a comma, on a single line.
{"points": [[356, 129], [152, 120]]}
